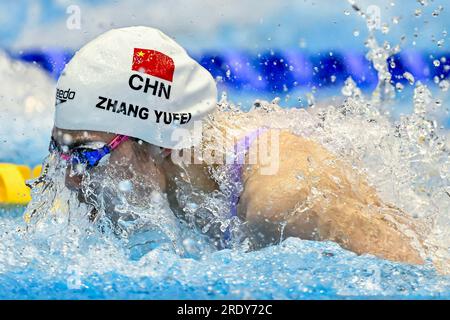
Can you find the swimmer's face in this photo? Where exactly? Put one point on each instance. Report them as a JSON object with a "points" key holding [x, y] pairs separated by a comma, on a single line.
{"points": [[132, 162]]}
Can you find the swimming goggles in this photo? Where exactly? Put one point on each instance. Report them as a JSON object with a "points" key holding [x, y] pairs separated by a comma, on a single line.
{"points": [[88, 156]]}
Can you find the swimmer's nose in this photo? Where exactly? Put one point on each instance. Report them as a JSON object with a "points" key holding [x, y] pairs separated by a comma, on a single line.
{"points": [[72, 182]]}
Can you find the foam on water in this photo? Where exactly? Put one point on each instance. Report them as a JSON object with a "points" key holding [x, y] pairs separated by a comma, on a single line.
{"points": [[60, 254]]}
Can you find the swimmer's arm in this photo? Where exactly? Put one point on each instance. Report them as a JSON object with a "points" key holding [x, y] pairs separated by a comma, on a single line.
{"points": [[314, 196]]}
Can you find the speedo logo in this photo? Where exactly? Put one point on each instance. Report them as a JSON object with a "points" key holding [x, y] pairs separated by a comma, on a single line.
{"points": [[64, 95]]}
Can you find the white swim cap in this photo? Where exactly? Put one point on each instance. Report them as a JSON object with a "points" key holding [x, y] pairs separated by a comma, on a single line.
{"points": [[137, 82]]}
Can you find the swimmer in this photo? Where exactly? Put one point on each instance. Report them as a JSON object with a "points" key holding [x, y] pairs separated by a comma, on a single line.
{"points": [[131, 101]]}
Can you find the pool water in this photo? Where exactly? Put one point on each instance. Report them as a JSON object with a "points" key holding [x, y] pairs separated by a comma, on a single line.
{"points": [[67, 260], [294, 269]]}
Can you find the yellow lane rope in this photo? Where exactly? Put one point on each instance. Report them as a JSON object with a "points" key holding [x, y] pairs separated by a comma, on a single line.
{"points": [[13, 189]]}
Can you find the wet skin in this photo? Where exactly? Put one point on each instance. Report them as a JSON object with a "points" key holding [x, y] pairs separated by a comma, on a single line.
{"points": [[349, 212], [130, 161], [330, 203]]}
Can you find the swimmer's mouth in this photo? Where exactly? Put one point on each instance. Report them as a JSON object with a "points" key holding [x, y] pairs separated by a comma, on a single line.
{"points": [[93, 214]]}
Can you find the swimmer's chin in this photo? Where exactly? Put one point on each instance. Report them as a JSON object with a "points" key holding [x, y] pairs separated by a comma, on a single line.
{"points": [[81, 198], [93, 212], [91, 202]]}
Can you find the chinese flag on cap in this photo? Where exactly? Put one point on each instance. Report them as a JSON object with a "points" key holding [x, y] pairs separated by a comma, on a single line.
{"points": [[153, 63]]}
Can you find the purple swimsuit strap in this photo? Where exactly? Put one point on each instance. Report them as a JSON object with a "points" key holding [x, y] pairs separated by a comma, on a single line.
{"points": [[235, 171]]}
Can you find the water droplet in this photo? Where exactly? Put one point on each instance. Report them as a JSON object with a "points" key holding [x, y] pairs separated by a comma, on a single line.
{"points": [[350, 89], [438, 11], [191, 206], [189, 244], [408, 76], [156, 197], [67, 139], [125, 186], [223, 98], [311, 100], [276, 100], [436, 63], [422, 98], [444, 85], [78, 169], [356, 33], [395, 20]]}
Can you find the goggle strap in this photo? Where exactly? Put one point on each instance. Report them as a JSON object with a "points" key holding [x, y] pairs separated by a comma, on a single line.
{"points": [[117, 141], [65, 156]]}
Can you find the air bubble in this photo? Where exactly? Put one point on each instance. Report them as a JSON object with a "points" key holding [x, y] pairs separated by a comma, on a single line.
{"points": [[67, 139], [408, 76], [423, 2], [444, 85], [125, 186]]}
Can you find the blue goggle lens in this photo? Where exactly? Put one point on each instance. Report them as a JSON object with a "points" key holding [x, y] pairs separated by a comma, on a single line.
{"points": [[89, 157]]}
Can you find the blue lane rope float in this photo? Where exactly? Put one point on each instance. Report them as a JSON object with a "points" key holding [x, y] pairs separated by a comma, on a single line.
{"points": [[278, 71]]}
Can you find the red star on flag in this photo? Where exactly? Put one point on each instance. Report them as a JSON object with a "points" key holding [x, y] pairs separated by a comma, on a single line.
{"points": [[153, 63]]}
